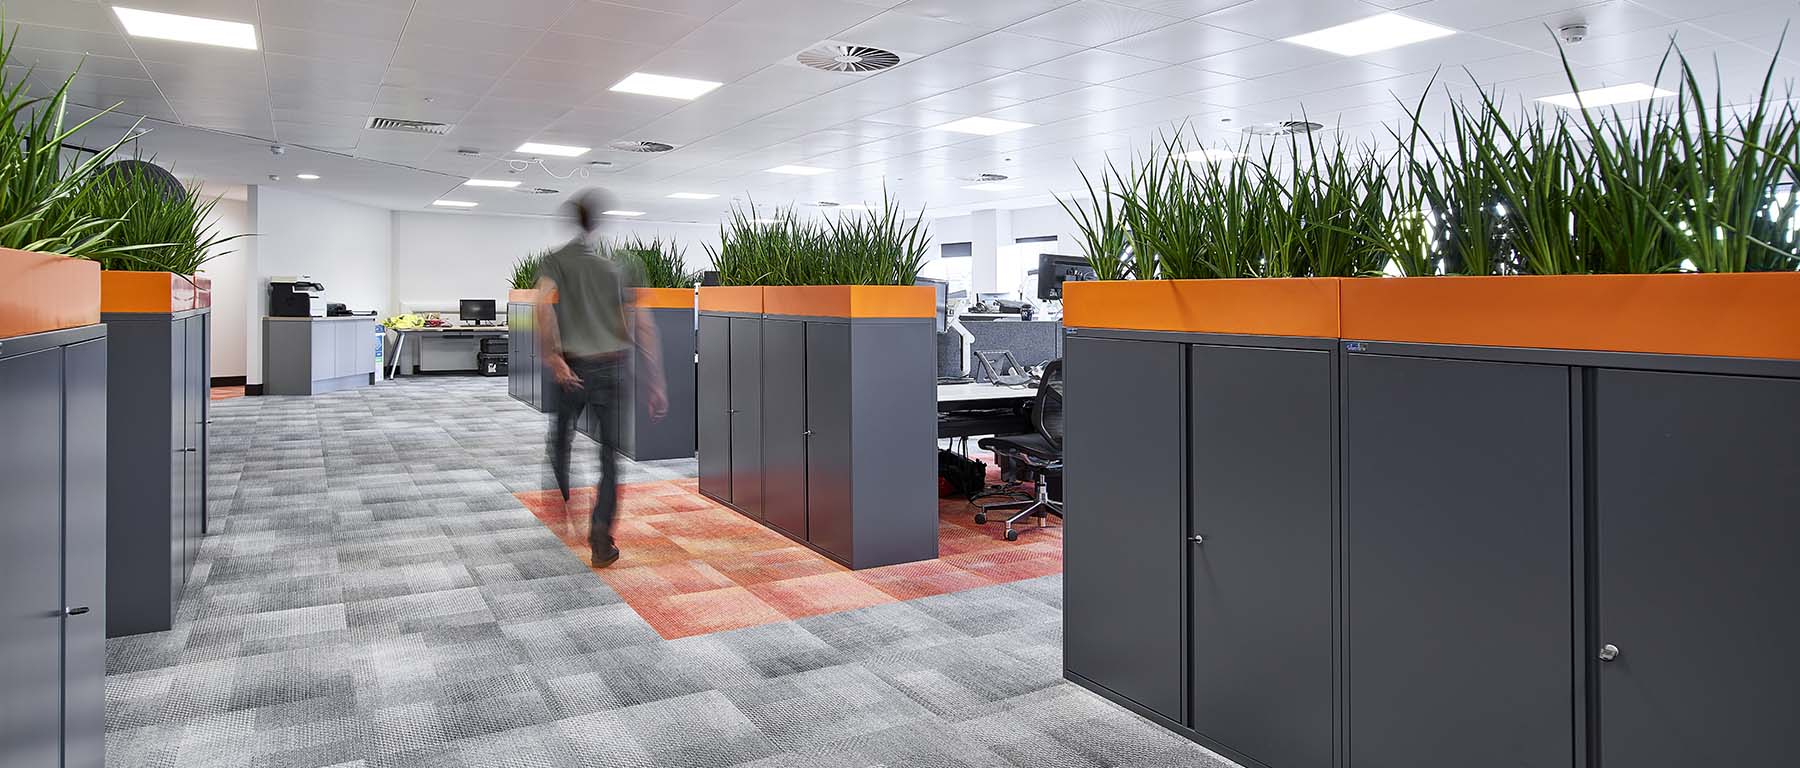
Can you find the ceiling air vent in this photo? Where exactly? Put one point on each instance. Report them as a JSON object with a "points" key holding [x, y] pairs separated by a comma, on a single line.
{"points": [[985, 178], [844, 57], [827, 203], [640, 146], [1283, 128], [399, 125], [537, 190]]}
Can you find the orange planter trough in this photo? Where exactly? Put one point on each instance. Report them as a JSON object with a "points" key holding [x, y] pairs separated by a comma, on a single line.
{"points": [[852, 301], [522, 296], [1300, 306], [44, 292], [732, 298], [155, 292], [1754, 315], [663, 298]]}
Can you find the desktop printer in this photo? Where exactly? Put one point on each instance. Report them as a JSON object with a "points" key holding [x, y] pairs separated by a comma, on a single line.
{"points": [[298, 296]]}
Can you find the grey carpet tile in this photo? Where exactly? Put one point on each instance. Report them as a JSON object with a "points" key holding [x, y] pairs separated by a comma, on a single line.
{"points": [[371, 595]]}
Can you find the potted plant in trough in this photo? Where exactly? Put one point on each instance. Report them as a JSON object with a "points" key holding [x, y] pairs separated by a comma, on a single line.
{"points": [[816, 320], [524, 278], [663, 298], [166, 233]]}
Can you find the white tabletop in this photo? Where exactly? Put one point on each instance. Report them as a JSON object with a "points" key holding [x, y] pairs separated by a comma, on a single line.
{"points": [[962, 393]]}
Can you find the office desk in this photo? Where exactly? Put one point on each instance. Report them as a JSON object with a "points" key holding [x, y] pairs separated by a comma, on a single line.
{"points": [[967, 410], [439, 332]]}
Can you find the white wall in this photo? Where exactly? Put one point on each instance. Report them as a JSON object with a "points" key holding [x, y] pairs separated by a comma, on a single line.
{"points": [[442, 257], [230, 272], [345, 246]]}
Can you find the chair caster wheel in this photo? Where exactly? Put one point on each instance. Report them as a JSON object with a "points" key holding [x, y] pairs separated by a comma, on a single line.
{"points": [[981, 518], [1012, 535]]}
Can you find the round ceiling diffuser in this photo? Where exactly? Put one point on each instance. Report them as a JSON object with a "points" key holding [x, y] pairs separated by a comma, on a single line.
{"points": [[640, 146], [835, 57], [1283, 128]]}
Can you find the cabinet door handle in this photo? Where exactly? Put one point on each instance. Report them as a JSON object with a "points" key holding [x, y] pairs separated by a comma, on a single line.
{"points": [[1197, 539], [1609, 652], [807, 433], [75, 611], [190, 450]]}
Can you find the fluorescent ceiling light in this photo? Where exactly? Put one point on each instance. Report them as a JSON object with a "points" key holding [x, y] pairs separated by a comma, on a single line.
{"points": [[553, 150], [1212, 155], [501, 183], [690, 196], [1376, 33], [665, 86], [992, 186], [983, 126], [454, 204], [622, 213], [307, 176], [799, 170], [187, 29], [1600, 97]]}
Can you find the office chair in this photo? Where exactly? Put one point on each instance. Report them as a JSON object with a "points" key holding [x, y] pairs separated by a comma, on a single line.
{"points": [[1002, 369], [1040, 453]]}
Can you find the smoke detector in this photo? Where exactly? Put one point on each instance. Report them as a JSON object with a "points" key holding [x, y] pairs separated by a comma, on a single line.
{"points": [[401, 125], [1573, 33], [1283, 128], [640, 146], [833, 56]]}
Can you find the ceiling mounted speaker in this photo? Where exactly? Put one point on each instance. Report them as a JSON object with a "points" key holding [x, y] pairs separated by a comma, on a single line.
{"points": [[843, 57], [1283, 128], [640, 146], [400, 125]]}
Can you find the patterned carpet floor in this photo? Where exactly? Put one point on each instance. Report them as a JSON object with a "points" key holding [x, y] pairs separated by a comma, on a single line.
{"points": [[374, 594]]}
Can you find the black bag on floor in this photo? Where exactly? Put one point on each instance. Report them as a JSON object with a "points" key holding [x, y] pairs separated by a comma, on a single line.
{"points": [[959, 476]]}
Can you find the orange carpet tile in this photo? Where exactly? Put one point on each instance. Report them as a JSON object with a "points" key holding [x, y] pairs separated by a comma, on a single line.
{"points": [[226, 393], [692, 566]]}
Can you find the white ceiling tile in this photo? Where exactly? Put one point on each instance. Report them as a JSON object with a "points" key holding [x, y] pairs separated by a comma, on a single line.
{"points": [[822, 17], [1173, 81], [317, 136], [289, 108], [589, 51], [929, 73], [648, 106], [1183, 41], [300, 42], [705, 8], [966, 102], [445, 32], [620, 22], [67, 14], [1007, 51], [67, 61], [915, 117], [1043, 111], [1092, 22], [302, 90], [1096, 66], [1689, 9], [910, 34], [1746, 23], [1264, 60], [459, 61], [307, 73], [1466, 16], [1024, 86], [537, 14], [73, 40], [1447, 52], [1275, 19], [988, 15], [395, 99], [342, 18]]}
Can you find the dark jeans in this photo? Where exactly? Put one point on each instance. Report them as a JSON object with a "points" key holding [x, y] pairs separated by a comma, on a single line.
{"points": [[599, 394]]}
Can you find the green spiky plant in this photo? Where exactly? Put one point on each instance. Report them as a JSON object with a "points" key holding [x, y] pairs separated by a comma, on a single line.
{"points": [[874, 246], [525, 270], [1104, 241], [654, 263], [164, 226]]}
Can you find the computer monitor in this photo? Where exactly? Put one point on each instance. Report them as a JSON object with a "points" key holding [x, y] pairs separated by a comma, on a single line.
{"points": [[1054, 270], [943, 300], [478, 311]]}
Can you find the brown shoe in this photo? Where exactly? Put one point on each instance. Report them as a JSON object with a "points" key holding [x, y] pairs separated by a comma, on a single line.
{"points": [[612, 556]]}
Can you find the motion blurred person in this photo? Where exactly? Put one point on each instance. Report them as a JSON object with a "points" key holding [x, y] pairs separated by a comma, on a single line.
{"points": [[587, 333]]}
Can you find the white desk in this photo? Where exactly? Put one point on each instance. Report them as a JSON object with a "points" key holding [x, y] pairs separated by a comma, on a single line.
{"points": [[966, 410], [982, 394], [438, 331]]}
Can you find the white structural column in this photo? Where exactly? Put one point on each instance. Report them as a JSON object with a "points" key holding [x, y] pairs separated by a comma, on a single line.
{"points": [[989, 231]]}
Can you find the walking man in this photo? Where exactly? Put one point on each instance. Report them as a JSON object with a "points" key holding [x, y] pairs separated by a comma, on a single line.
{"points": [[588, 333]]}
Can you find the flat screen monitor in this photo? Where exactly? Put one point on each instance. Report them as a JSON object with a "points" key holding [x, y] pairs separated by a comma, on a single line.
{"points": [[1054, 270], [943, 300], [478, 310]]}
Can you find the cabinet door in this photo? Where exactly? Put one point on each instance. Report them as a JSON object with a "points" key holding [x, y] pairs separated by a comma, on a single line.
{"points": [[1262, 447], [178, 462], [746, 415], [197, 392], [1123, 547], [784, 425], [31, 558], [324, 351], [828, 464], [349, 342], [1457, 520], [713, 399], [205, 421], [84, 560], [1695, 507]]}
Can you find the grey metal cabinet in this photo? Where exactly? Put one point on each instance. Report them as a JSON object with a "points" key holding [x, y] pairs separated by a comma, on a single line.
{"points": [[1262, 506], [784, 425], [196, 390], [713, 407], [1123, 558], [1458, 581], [1695, 519], [642, 437], [84, 554], [746, 416], [31, 558], [830, 501]]}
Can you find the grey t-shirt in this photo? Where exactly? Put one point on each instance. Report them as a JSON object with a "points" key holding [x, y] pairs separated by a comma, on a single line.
{"points": [[591, 297]]}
